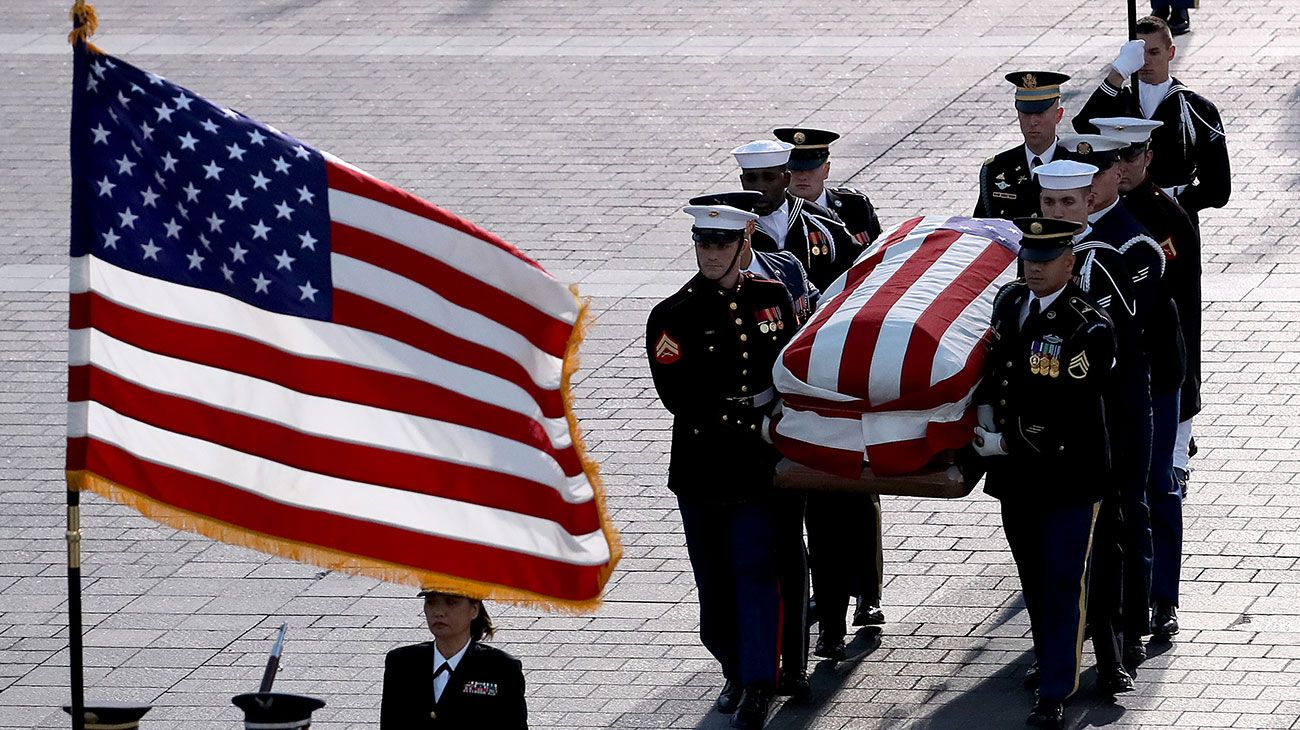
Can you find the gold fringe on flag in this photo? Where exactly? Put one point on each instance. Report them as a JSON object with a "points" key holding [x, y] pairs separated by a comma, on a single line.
{"points": [[351, 564], [84, 24]]}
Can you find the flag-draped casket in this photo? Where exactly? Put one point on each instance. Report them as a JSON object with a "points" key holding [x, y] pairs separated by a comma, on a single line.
{"points": [[885, 371]]}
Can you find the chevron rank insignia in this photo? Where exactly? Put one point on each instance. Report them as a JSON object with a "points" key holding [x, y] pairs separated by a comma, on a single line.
{"points": [[667, 351], [1079, 366]]}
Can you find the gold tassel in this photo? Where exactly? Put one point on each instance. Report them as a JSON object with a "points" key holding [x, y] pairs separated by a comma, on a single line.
{"points": [[85, 22], [589, 466], [336, 560]]}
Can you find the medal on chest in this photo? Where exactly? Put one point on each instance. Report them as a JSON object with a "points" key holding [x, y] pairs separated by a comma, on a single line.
{"points": [[769, 320], [1045, 357]]}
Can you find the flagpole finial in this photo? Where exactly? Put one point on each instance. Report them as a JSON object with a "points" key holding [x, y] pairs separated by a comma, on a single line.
{"points": [[84, 22]]}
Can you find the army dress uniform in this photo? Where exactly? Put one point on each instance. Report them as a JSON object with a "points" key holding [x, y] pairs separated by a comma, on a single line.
{"points": [[711, 353], [1051, 414], [1190, 147], [1045, 376], [1007, 187], [850, 205]]}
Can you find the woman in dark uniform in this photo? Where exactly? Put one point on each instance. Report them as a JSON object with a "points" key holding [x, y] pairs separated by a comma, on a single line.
{"points": [[454, 681]]}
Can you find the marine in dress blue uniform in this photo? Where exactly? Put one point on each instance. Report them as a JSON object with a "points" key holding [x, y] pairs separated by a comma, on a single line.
{"points": [[788, 223], [1044, 433], [845, 551], [1007, 187], [782, 266], [1101, 272], [711, 348], [1170, 225]]}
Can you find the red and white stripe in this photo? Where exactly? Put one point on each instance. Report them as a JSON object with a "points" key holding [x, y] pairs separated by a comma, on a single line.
{"points": [[885, 370], [424, 426]]}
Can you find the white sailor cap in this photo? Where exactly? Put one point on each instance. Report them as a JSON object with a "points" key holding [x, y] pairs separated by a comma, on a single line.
{"points": [[762, 153], [718, 223], [1065, 175], [1132, 130]]}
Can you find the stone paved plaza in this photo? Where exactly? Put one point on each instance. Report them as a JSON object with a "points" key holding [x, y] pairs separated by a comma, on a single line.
{"points": [[575, 129]]}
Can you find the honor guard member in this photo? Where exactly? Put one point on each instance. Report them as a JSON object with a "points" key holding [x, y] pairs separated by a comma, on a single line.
{"points": [[844, 530], [1175, 13], [265, 710], [782, 266], [1189, 149], [1100, 270], [810, 165], [1007, 185], [1043, 433], [1161, 364], [1170, 225], [112, 715], [456, 680], [711, 348], [786, 223]]}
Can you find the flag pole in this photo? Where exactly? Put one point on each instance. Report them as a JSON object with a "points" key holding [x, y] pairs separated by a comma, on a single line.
{"points": [[83, 24], [1132, 35]]}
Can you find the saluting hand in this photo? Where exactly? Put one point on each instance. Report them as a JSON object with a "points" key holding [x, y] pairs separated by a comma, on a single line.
{"points": [[1130, 58]]}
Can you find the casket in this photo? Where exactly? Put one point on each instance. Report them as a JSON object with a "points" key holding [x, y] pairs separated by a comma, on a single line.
{"points": [[877, 385]]}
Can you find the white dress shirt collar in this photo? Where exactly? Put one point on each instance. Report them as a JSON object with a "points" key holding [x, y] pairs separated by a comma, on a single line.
{"points": [[1094, 217], [1046, 157]]}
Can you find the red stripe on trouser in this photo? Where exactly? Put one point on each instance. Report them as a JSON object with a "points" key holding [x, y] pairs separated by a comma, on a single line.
{"points": [[419, 473], [798, 354], [234, 506], [359, 183], [324, 378], [918, 362], [351, 310], [544, 331], [864, 329]]}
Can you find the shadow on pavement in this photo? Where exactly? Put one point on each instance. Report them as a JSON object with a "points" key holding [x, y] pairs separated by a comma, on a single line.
{"points": [[827, 679]]}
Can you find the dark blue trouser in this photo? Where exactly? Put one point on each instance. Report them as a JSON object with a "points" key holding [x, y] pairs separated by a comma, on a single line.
{"points": [[1123, 588], [792, 564], [733, 551], [844, 552], [1051, 546], [1165, 500], [1159, 5]]}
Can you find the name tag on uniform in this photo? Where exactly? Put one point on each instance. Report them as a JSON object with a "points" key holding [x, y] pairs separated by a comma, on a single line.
{"points": [[1006, 196], [486, 689]]}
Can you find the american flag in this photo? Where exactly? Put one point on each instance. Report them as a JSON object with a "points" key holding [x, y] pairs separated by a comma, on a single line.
{"points": [[274, 348], [885, 370]]}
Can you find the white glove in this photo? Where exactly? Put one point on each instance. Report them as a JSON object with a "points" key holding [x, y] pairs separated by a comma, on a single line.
{"points": [[1130, 58], [989, 443], [765, 429], [984, 414]]}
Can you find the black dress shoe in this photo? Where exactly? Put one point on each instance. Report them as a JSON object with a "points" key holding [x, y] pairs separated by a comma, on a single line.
{"points": [[795, 685], [1164, 620], [1032, 678], [1111, 682], [865, 615], [1134, 655], [752, 712], [728, 698], [830, 646], [1180, 24], [1046, 713]]}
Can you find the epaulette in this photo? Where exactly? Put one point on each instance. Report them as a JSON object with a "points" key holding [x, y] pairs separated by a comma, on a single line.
{"points": [[1085, 310], [990, 160], [854, 192]]}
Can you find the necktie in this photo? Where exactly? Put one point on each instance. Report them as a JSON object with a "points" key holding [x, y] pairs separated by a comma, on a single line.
{"points": [[442, 668], [1035, 308], [1035, 162]]}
